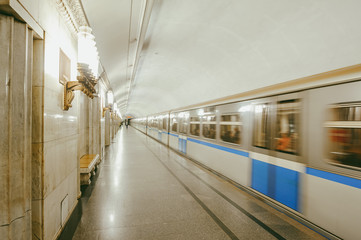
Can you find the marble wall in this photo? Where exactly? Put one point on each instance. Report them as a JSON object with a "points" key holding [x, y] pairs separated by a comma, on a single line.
{"points": [[40, 143], [16, 42], [55, 131], [60, 162]]}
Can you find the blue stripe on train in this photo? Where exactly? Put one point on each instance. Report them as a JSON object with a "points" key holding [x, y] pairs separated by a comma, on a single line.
{"points": [[226, 149], [279, 183], [353, 182], [260, 176], [287, 185]]}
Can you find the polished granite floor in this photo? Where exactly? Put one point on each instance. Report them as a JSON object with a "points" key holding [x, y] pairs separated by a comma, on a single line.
{"points": [[145, 191]]}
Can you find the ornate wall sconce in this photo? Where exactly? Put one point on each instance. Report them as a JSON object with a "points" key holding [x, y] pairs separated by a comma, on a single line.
{"points": [[105, 109], [88, 62], [86, 83]]}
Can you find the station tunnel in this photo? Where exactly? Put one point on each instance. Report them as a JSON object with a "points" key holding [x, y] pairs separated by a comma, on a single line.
{"points": [[152, 119]]}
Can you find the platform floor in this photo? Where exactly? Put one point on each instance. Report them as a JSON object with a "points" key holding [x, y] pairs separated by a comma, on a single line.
{"points": [[146, 191]]}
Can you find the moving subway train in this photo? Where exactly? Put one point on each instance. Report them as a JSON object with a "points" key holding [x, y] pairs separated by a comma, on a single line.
{"points": [[301, 150]]}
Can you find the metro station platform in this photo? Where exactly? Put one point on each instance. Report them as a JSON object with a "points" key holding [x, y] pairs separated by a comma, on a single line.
{"points": [[146, 191]]}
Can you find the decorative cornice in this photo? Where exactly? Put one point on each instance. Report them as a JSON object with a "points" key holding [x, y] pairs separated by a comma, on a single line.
{"points": [[73, 13]]}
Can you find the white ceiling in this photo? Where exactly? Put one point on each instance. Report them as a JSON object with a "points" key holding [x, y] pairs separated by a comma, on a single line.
{"points": [[195, 51], [118, 26]]}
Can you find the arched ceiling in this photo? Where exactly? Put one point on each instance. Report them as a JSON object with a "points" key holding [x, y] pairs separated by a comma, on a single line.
{"points": [[195, 51]]}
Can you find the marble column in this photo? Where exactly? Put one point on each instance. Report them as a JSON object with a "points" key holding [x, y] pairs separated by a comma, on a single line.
{"points": [[83, 116], [15, 124], [37, 165], [107, 128], [90, 127], [97, 128]]}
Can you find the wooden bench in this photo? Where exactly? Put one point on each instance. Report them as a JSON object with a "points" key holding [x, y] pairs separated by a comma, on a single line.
{"points": [[87, 167]]}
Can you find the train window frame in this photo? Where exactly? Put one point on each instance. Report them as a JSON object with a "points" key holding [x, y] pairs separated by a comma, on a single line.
{"points": [[192, 122], [150, 123], [165, 123], [279, 140], [341, 125], [174, 120], [231, 123], [268, 134], [159, 123], [155, 123], [183, 118], [300, 98], [207, 115]]}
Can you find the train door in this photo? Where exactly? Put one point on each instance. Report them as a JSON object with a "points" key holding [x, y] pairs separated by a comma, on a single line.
{"points": [[183, 131], [160, 127], [173, 131], [164, 129], [277, 148], [286, 148], [260, 145]]}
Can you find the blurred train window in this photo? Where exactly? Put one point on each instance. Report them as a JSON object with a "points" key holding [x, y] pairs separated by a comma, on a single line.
{"points": [[182, 126], [231, 128], [164, 123], [194, 126], [174, 124], [209, 126], [261, 126], [344, 134], [183, 123], [288, 126], [159, 120]]}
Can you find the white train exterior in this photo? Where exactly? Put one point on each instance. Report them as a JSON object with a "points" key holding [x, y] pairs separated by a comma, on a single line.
{"points": [[300, 150]]}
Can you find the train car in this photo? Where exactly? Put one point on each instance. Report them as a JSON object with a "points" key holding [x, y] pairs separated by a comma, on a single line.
{"points": [[140, 124], [178, 125], [163, 124], [156, 127], [299, 150]]}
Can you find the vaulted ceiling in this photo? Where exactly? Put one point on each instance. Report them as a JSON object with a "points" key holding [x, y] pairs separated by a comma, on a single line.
{"points": [[119, 27], [195, 51]]}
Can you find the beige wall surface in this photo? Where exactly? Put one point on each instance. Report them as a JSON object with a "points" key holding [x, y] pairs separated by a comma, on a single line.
{"points": [[16, 42], [60, 127], [41, 143], [55, 139]]}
